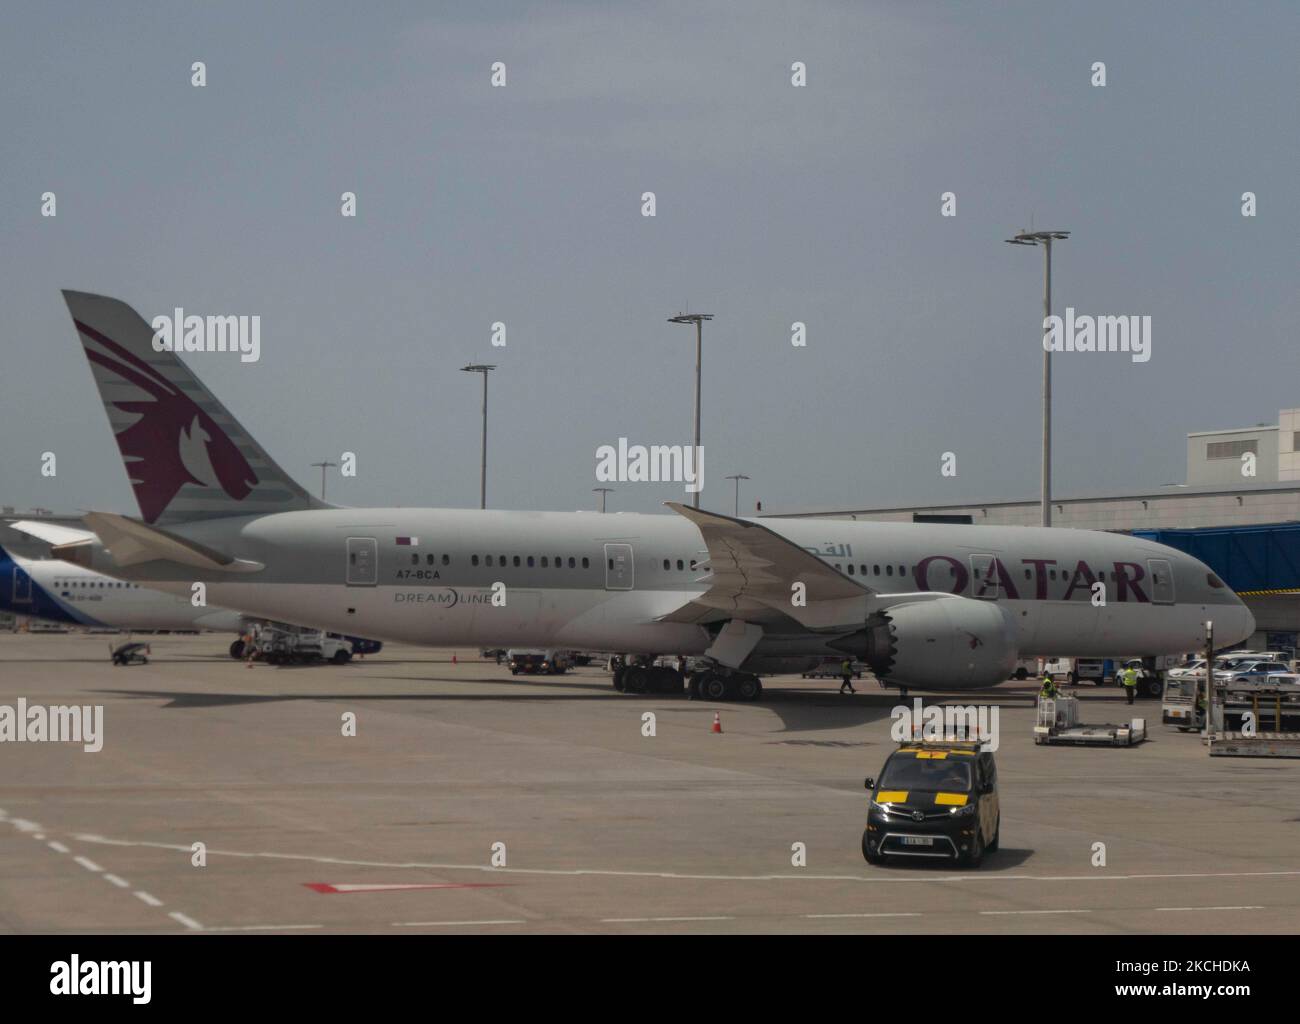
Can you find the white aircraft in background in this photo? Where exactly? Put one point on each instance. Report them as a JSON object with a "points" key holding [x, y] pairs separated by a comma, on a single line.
{"points": [[54, 591], [927, 605]]}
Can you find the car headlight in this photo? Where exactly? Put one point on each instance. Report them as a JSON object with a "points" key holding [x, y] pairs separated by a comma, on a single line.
{"points": [[964, 812], [882, 808]]}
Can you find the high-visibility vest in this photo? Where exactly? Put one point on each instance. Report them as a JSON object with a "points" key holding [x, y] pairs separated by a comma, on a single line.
{"points": [[846, 667], [1129, 677]]}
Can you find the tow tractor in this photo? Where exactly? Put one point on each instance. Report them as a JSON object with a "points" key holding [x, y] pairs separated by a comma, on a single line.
{"points": [[1057, 722]]}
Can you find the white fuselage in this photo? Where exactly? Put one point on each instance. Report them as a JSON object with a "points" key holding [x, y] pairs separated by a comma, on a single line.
{"points": [[603, 582], [55, 591]]}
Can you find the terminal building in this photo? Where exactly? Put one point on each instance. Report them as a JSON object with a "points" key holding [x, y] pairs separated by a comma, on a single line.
{"points": [[1239, 512]]}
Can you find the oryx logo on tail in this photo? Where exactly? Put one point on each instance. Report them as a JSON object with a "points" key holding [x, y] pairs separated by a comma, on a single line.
{"points": [[172, 442]]}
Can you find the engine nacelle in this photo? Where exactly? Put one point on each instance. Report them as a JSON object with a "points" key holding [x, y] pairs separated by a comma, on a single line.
{"points": [[948, 643]]}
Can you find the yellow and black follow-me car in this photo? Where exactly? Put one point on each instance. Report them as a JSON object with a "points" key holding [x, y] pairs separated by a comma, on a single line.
{"points": [[936, 800]]}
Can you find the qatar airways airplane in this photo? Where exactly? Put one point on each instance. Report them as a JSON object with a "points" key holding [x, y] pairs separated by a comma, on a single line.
{"points": [[924, 605]]}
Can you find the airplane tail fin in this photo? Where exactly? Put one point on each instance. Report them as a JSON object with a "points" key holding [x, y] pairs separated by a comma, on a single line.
{"points": [[187, 457]]}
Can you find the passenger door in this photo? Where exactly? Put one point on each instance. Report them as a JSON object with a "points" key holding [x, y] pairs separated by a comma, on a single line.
{"points": [[22, 586], [984, 582], [363, 562], [618, 567], [1161, 574]]}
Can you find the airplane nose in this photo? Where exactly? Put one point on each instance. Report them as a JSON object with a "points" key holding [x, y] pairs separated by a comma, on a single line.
{"points": [[1247, 622]]}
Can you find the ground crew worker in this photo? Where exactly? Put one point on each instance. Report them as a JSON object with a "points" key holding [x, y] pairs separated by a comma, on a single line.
{"points": [[1128, 678], [846, 673], [1049, 687], [1200, 707]]}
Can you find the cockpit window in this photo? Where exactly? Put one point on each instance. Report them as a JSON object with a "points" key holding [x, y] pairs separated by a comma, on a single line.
{"points": [[1213, 581]]}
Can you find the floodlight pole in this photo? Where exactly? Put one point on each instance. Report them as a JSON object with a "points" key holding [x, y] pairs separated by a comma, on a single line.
{"points": [[484, 369], [323, 467], [698, 320], [1045, 239]]}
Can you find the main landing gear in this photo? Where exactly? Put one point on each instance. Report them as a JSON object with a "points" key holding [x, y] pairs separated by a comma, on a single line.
{"points": [[716, 683], [720, 684], [647, 679]]}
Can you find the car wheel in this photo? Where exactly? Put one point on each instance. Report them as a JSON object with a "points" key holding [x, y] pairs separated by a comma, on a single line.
{"points": [[1022, 674], [997, 835], [1073, 678], [237, 649], [975, 857], [871, 858], [342, 656]]}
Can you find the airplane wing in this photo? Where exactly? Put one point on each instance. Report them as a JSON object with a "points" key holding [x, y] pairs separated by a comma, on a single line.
{"points": [[51, 533], [130, 542], [756, 569]]}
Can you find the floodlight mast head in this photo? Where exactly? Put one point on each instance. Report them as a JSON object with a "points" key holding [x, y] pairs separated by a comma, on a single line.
{"points": [[1036, 237]]}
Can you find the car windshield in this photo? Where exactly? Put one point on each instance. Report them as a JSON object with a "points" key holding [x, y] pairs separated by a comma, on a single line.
{"points": [[906, 771]]}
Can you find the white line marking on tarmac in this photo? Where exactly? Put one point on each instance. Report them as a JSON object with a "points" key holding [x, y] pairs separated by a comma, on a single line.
{"points": [[1000, 913], [144, 897], [581, 872], [1209, 908], [188, 922], [88, 864], [862, 915], [121, 883], [56, 846], [643, 920], [260, 927], [450, 924], [38, 835]]}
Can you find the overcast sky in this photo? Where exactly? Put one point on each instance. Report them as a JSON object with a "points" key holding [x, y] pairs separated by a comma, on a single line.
{"points": [[775, 204]]}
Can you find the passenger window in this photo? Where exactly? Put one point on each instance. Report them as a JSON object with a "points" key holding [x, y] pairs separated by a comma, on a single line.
{"points": [[665, 563], [679, 565], [473, 559], [446, 559], [850, 568], [516, 561], [545, 562], [586, 564], [875, 569], [415, 559], [889, 570], [530, 561], [572, 563], [488, 560]]}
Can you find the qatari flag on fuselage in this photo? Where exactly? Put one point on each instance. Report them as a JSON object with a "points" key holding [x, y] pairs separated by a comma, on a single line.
{"points": [[412, 542]]}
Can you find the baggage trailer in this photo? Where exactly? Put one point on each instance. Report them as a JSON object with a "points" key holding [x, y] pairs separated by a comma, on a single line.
{"points": [[1057, 723], [1260, 744]]}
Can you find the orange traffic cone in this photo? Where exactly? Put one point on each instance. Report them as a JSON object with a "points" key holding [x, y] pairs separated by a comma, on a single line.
{"points": [[717, 721]]}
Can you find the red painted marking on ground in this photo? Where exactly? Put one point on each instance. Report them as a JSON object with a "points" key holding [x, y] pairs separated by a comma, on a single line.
{"points": [[347, 888]]}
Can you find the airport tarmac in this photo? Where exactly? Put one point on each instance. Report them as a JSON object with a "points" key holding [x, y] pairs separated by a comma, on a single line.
{"points": [[604, 829]]}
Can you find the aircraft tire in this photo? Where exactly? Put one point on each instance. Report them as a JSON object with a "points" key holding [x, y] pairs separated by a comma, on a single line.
{"points": [[714, 687], [748, 688]]}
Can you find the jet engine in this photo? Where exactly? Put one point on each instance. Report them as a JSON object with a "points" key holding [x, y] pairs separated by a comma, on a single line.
{"points": [[949, 643]]}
